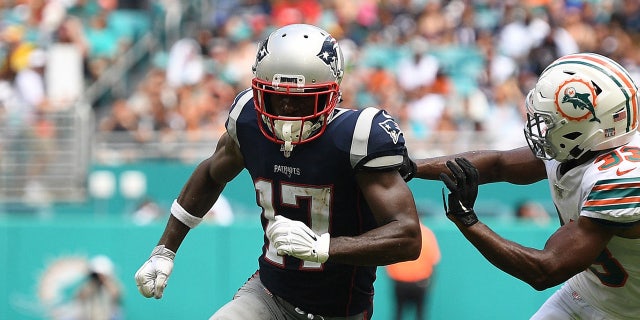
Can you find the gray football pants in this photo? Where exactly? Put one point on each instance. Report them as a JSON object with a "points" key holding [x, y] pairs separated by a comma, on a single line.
{"points": [[254, 302]]}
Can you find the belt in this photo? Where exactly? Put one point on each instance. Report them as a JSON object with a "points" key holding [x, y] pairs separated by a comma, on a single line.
{"points": [[308, 315], [311, 316]]}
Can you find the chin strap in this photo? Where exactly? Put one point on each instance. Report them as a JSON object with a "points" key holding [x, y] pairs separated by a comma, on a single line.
{"points": [[286, 136], [288, 131]]}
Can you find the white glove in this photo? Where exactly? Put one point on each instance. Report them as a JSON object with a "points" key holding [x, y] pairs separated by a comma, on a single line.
{"points": [[294, 238], [152, 277]]}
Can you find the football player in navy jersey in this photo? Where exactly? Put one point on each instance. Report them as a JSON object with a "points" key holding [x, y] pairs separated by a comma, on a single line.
{"points": [[329, 181], [582, 131]]}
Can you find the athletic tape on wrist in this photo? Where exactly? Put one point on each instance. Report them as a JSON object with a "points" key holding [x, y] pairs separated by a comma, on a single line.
{"points": [[160, 250], [183, 216]]}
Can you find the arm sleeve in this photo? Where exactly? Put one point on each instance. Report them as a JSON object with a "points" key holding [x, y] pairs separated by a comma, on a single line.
{"points": [[378, 143]]}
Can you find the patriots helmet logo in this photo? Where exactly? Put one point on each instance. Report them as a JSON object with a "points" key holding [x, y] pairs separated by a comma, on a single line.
{"points": [[262, 52], [392, 129], [329, 55]]}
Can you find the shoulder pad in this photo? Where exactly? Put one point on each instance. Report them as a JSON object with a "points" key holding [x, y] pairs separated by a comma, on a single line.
{"points": [[239, 103]]}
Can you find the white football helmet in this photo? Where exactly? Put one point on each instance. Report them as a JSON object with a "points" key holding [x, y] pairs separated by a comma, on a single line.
{"points": [[297, 62], [581, 102]]}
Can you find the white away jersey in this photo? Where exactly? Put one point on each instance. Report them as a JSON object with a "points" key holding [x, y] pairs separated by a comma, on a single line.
{"points": [[607, 188]]}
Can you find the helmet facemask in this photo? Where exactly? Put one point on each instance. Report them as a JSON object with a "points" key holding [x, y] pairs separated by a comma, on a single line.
{"points": [[312, 108], [535, 131]]}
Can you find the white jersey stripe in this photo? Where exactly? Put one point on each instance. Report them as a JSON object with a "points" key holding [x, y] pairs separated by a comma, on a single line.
{"points": [[361, 135], [236, 109]]}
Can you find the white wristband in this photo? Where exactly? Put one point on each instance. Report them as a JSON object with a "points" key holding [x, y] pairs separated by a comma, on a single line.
{"points": [[183, 216]]}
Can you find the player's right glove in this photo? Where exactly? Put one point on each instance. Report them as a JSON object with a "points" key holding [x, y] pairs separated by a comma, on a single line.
{"points": [[152, 277], [296, 239], [462, 193]]}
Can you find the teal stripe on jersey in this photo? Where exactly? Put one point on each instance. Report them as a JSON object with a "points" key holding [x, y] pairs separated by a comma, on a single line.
{"points": [[616, 193], [618, 206]]}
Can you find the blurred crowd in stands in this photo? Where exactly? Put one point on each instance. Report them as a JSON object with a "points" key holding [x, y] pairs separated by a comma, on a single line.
{"points": [[439, 66]]}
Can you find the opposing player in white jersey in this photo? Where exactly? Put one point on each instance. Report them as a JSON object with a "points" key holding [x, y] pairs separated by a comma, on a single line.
{"points": [[582, 135]]}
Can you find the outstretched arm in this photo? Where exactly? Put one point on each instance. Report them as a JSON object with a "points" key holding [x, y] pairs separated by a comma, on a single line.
{"points": [[570, 250], [562, 257], [517, 166]]}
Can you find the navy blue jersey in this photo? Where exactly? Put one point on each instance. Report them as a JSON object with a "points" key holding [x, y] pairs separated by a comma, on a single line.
{"points": [[316, 184]]}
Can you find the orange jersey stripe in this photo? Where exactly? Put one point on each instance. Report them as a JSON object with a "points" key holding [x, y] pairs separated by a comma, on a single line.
{"points": [[614, 186], [612, 201]]}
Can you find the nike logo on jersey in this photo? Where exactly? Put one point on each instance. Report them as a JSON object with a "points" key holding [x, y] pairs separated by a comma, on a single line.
{"points": [[623, 172]]}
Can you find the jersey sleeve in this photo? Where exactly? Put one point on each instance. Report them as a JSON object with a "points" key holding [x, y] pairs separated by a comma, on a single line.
{"points": [[614, 200], [241, 101], [378, 143]]}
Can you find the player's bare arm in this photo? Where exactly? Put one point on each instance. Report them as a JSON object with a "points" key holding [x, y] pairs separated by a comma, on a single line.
{"points": [[517, 166], [561, 258], [198, 195], [203, 188], [570, 250], [398, 236]]}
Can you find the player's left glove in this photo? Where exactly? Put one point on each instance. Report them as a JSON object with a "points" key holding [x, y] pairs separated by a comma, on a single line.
{"points": [[294, 238], [463, 192]]}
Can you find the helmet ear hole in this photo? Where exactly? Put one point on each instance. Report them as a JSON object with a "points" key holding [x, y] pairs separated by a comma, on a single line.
{"points": [[572, 135]]}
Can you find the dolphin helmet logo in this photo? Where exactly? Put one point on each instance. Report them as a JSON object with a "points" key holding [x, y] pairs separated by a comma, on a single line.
{"points": [[575, 100]]}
